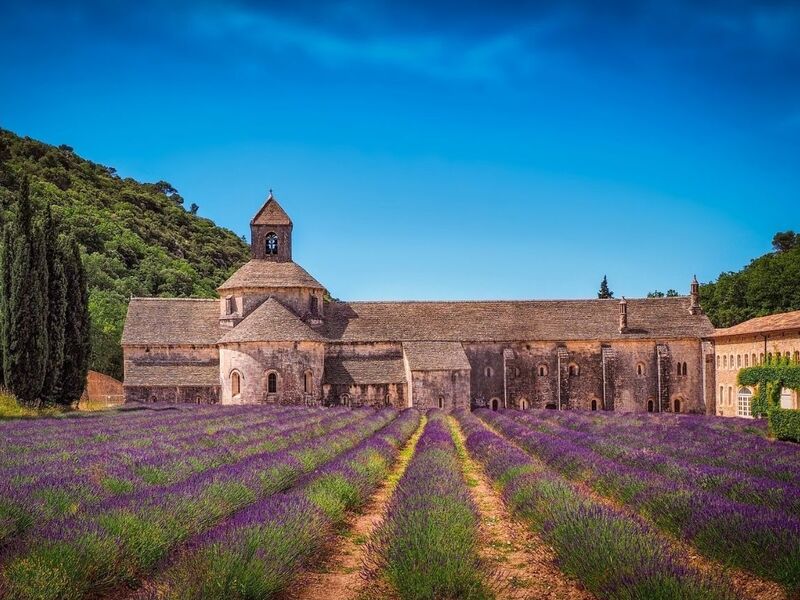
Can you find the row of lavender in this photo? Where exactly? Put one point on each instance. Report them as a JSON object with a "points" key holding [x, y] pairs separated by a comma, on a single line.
{"points": [[613, 555], [756, 538], [692, 438], [426, 547], [117, 541], [33, 493], [256, 553]]}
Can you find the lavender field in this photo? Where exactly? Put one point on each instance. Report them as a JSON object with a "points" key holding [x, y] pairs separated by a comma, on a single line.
{"points": [[269, 501]]}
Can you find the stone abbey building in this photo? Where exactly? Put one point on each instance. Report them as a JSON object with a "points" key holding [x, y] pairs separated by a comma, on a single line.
{"points": [[272, 336]]}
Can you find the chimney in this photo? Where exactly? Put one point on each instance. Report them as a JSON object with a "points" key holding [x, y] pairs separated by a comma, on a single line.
{"points": [[694, 297], [623, 315]]}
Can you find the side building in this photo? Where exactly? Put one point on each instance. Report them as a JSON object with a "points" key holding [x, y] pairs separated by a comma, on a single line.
{"points": [[749, 344], [273, 337]]}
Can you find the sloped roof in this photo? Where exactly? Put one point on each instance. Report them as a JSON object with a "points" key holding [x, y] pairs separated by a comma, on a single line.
{"points": [[435, 356], [770, 323], [364, 371], [271, 322], [262, 273], [154, 321], [271, 214], [171, 375], [547, 320]]}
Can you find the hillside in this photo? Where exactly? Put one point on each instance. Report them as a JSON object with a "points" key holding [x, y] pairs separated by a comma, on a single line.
{"points": [[138, 239], [769, 284]]}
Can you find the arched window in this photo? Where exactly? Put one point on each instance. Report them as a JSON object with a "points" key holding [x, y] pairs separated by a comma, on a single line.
{"points": [[313, 305], [769, 357], [640, 370], [797, 356], [453, 376], [684, 369], [228, 305], [523, 404], [272, 383], [594, 404], [746, 360], [743, 399], [574, 370], [754, 360], [738, 361], [677, 405], [722, 395], [344, 399], [495, 404], [725, 362], [719, 361], [236, 383], [542, 370], [308, 382], [488, 372], [730, 362], [761, 358], [441, 401], [649, 406], [730, 396], [271, 244]]}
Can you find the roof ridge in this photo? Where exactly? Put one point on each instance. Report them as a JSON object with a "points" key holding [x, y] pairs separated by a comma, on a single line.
{"points": [[175, 299], [509, 301]]}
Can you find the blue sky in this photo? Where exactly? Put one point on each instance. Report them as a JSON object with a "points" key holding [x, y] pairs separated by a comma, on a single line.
{"points": [[441, 149]]}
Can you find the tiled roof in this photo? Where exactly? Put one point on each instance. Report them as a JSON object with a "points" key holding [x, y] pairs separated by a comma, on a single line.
{"points": [[271, 214], [435, 356], [364, 371], [171, 375], [154, 321], [258, 273], [555, 320], [271, 322], [771, 323]]}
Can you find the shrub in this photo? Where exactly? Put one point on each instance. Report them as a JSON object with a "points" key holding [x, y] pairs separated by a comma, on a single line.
{"points": [[784, 424]]}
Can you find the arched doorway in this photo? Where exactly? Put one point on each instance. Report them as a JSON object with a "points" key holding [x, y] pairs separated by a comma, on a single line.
{"points": [[677, 405], [344, 400], [495, 403], [649, 406], [594, 404]]}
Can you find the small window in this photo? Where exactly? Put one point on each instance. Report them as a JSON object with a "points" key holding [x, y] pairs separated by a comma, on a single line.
{"points": [[677, 405], [229, 305], [344, 399], [271, 244], [754, 360], [523, 404], [308, 382], [719, 361], [649, 406], [441, 401], [746, 360], [721, 395], [453, 376], [574, 370], [488, 372], [542, 370], [594, 404], [730, 396], [640, 370], [738, 361], [272, 383], [495, 403], [550, 406], [761, 358], [797, 356], [725, 362], [685, 370], [236, 384], [314, 305]]}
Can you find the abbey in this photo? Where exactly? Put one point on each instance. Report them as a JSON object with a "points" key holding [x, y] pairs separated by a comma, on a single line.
{"points": [[274, 337]]}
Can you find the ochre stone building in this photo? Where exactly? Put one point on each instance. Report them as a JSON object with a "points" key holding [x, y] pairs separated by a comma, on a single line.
{"points": [[748, 344], [272, 336]]}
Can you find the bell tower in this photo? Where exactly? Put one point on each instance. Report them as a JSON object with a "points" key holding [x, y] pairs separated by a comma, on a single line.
{"points": [[271, 233]]}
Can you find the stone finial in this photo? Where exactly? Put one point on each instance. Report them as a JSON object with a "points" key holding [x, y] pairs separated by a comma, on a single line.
{"points": [[271, 196], [623, 315], [694, 297]]}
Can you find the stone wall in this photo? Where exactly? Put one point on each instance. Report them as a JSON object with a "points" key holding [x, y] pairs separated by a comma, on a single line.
{"points": [[246, 300], [188, 394], [452, 387], [288, 360], [571, 375], [374, 395]]}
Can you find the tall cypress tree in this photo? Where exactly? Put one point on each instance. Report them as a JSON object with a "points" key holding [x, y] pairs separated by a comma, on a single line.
{"points": [[604, 292], [25, 303], [57, 311], [5, 285], [76, 332]]}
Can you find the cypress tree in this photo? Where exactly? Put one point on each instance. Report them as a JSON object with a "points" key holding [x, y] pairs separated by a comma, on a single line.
{"points": [[5, 285], [604, 292], [56, 314], [76, 332], [25, 303]]}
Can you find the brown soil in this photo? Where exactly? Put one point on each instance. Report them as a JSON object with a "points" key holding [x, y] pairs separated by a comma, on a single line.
{"points": [[522, 564], [340, 575]]}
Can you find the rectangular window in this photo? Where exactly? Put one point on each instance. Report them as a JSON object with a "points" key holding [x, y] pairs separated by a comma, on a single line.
{"points": [[743, 409], [229, 305]]}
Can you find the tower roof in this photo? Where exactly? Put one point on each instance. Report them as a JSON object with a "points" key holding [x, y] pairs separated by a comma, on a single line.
{"points": [[271, 322], [259, 273], [271, 213]]}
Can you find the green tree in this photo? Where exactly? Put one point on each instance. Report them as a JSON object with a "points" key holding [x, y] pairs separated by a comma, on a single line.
{"points": [[783, 241], [77, 331], [25, 304], [604, 292], [57, 311]]}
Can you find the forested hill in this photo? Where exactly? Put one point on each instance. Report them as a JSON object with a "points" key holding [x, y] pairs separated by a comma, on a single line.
{"points": [[138, 239], [769, 284]]}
